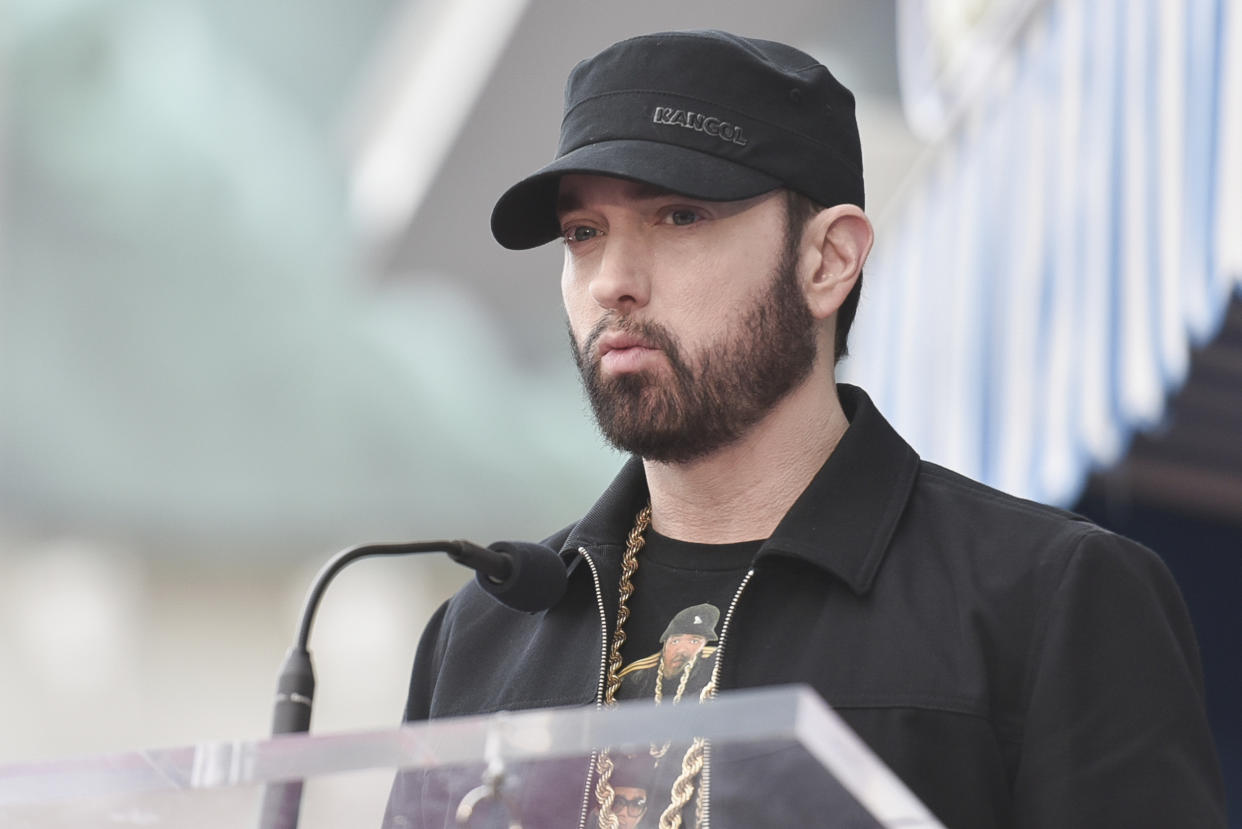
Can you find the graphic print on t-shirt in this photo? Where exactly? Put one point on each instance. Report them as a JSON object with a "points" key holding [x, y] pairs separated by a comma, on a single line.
{"points": [[681, 669], [683, 665], [670, 653]]}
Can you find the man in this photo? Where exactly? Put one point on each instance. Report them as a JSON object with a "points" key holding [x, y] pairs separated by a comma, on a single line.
{"points": [[1013, 664], [684, 661], [631, 780], [680, 671]]}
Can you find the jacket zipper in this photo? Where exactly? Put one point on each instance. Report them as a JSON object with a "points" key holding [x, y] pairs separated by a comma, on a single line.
{"points": [[705, 776], [603, 678]]}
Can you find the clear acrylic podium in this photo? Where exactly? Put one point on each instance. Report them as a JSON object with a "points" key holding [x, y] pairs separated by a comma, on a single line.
{"points": [[777, 757]]}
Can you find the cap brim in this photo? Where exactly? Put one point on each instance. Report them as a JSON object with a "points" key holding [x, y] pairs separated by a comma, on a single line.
{"points": [[525, 216]]}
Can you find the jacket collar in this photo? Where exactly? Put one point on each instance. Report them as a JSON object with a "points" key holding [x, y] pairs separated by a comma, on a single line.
{"points": [[609, 521], [843, 521]]}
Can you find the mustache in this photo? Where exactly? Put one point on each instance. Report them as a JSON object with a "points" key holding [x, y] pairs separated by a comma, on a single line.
{"points": [[652, 333]]}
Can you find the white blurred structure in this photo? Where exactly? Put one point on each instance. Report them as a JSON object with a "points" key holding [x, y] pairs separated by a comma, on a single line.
{"points": [[1073, 231]]}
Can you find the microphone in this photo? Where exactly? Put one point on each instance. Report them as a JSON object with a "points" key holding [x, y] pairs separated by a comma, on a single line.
{"points": [[528, 577], [524, 576]]}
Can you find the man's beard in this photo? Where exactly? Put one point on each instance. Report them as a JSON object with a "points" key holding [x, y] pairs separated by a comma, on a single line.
{"points": [[674, 665], [710, 403]]}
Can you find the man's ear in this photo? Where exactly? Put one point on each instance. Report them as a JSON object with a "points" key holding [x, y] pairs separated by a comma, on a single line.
{"points": [[839, 239]]}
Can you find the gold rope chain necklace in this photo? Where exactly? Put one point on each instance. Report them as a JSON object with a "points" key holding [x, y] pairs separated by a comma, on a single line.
{"points": [[692, 763]]}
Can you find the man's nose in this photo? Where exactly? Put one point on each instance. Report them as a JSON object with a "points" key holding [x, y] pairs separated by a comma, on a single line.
{"points": [[622, 281]]}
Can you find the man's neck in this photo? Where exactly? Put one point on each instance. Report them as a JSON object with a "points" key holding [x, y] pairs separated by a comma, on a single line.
{"points": [[741, 492]]}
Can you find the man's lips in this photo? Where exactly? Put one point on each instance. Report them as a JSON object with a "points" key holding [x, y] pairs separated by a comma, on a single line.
{"points": [[620, 353], [619, 341]]}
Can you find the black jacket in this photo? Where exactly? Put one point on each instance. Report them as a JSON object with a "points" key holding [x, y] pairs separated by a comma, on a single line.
{"points": [[1014, 664]]}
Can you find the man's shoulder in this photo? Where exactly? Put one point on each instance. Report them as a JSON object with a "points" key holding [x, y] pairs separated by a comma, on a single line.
{"points": [[998, 530], [955, 495], [647, 663], [557, 539]]}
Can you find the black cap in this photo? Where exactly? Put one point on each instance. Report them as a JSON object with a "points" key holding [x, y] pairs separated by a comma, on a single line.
{"points": [[706, 114], [697, 620], [632, 770]]}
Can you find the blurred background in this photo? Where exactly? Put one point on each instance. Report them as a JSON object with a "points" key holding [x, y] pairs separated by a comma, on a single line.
{"points": [[251, 313]]}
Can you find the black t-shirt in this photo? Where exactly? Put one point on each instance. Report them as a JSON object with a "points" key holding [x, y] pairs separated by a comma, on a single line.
{"points": [[682, 591]]}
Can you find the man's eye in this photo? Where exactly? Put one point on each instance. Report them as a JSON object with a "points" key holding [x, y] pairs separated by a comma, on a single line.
{"points": [[580, 233], [683, 217]]}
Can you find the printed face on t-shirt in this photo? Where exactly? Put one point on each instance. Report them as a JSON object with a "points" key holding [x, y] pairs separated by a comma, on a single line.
{"points": [[629, 805], [680, 649]]}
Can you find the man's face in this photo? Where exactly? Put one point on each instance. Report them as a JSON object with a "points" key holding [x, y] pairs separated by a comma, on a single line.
{"points": [[629, 805], [680, 649], [686, 317]]}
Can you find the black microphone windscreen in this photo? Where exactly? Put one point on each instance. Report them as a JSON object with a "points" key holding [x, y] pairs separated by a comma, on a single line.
{"points": [[537, 581]]}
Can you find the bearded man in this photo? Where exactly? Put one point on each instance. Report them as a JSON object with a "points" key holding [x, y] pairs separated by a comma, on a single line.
{"points": [[1016, 666], [684, 662]]}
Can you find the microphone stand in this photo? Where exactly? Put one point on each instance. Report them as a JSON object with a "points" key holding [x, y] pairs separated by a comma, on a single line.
{"points": [[295, 686]]}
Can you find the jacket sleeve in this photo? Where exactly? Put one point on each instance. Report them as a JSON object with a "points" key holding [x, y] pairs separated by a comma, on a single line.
{"points": [[1116, 732], [426, 663], [413, 801]]}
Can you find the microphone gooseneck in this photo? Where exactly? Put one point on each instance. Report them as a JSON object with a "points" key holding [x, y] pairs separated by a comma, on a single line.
{"points": [[295, 686], [526, 577]]}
